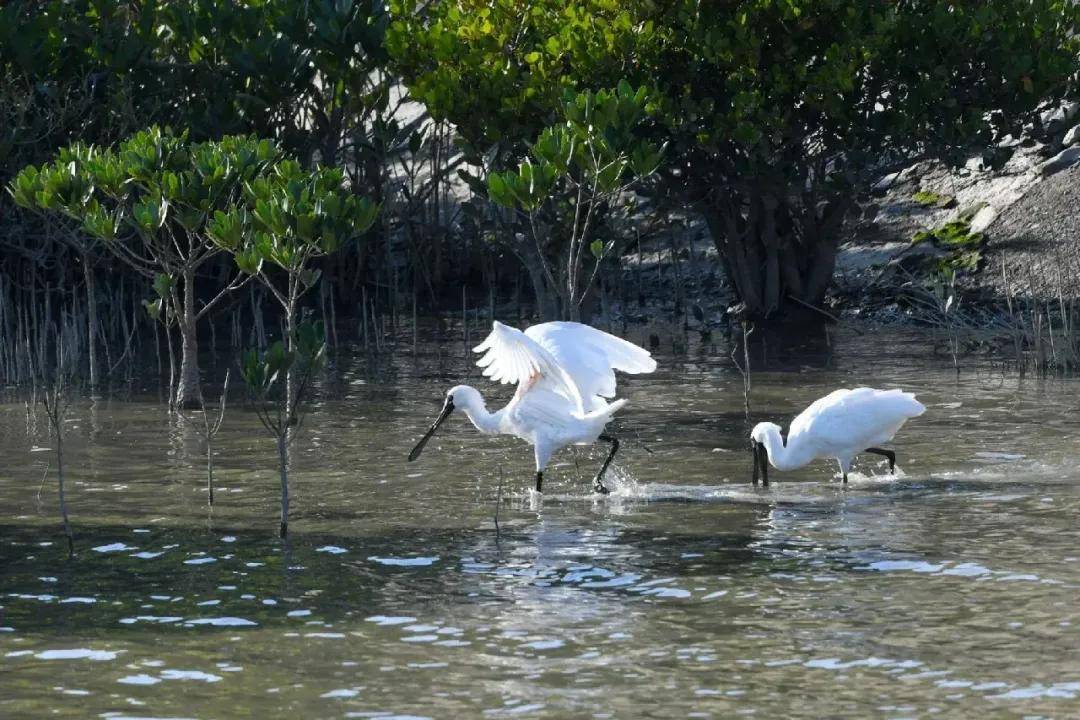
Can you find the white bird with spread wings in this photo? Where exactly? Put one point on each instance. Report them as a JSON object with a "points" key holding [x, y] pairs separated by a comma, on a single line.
{"points": [[565, 375]]}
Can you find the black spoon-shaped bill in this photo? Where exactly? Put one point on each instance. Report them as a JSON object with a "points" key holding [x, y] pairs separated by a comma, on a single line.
{"points": [[761, 462], [447, 408]]}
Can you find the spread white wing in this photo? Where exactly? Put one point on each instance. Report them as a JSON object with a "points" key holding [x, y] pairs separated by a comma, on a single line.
{"points": [[591, 357], [511, 356]]}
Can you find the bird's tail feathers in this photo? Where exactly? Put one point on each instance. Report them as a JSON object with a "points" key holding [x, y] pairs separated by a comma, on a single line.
{"points": [[916, 407], [605, 412]]}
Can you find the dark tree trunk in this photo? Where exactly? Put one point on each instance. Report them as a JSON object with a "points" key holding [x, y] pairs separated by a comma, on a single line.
{"points": [[91, 318], [547, 299], [283, 469], [188, 391], [779, 258]]}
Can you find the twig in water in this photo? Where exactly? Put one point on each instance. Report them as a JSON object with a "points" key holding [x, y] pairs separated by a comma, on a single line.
{"points": [[44, 475], [744, 369], [820, 311], [211, 431], [498, 504]]}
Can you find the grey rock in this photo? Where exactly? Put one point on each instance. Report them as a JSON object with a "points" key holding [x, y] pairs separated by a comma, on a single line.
{"points": [[1072, 136], [983, 218], [854, 259], [913, 172], [1034, 240], [1052, 120], [886, 182], [1066, 158]]}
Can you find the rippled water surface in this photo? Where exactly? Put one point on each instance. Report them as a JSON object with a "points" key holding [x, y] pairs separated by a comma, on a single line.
{"points": [[951, 589]]}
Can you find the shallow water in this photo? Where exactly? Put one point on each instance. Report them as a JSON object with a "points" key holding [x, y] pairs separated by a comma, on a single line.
{"points": [[950, 589]]}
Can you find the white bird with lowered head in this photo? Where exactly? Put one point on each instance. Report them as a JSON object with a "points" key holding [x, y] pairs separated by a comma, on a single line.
{"points": [[565, 374], [840, 425]]}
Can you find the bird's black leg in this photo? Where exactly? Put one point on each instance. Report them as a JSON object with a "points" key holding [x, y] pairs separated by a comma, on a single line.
{"points": [[539, 480], [598, 484], [885, 453]]}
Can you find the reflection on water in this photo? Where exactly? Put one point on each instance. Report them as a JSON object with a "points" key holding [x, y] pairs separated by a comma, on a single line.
{"points": [[948, 589]]}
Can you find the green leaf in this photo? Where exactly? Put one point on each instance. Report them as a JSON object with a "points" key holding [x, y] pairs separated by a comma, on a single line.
{"points": [[499, 190], [311, 343], [609, 177], [153, 308], [163, 285], [248, 260]]}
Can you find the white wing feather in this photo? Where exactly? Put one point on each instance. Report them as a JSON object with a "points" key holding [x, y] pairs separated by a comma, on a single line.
{"points": [[590, 357], [849, 418], [511, 356]]}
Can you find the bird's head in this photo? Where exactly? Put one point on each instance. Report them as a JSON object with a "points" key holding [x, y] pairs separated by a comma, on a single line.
{"points": [[459, 396], [762, 430], [464, 396], [758, 438]]}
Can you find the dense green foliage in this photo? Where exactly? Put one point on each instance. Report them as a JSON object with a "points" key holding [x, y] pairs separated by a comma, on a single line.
{"points": [[776, 111], [309, 75], [498, 70], [774, 116], [298, 72]]}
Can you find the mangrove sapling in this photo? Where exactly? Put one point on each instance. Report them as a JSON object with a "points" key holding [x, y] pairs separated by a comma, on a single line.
{"points": [[498, 504], [578, 170], [277, 402], [286, 218], [160, 313], [55, 398], [209, 431], [148, 202]]}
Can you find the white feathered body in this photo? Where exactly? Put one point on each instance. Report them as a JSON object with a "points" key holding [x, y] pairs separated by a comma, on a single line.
{"points": [[565, 373], [548, 421], [843, 424]]}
